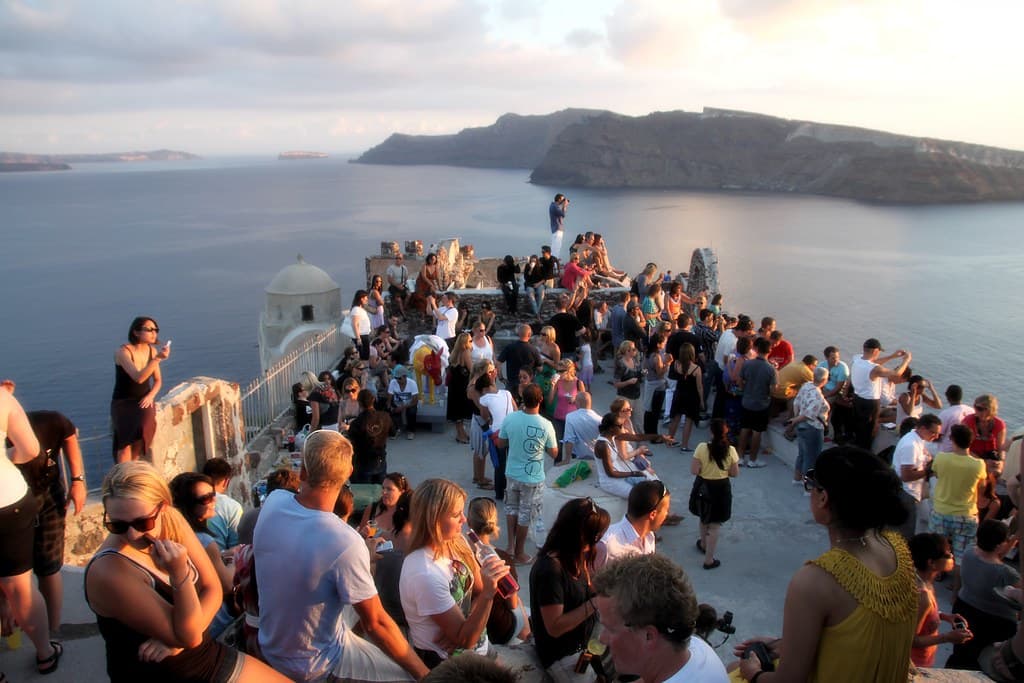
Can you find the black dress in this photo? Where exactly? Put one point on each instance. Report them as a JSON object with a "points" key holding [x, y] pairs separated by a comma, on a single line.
{"points": [[459, 406], [686, 399]]}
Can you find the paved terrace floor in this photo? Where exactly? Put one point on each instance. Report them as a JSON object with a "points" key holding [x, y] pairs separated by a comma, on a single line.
{"points": [[770, 535]]}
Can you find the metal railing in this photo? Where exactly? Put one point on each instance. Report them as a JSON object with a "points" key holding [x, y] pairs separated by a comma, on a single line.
{"points": [[269, 396]]}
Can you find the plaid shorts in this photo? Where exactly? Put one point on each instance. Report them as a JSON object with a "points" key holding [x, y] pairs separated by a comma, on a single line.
{"points": [[524, 501], [48, 544], [959, 529]]}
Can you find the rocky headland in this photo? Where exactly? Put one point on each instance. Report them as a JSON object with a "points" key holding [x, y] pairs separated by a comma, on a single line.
{"points": [[513, 141], [724, 150], [17, 161]]}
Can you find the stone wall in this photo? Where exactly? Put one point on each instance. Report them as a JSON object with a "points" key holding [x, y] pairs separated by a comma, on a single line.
{"points": [[196, 420]]}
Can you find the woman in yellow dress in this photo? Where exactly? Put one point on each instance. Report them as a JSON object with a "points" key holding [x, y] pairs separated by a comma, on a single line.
{"points": [[850, 614]]}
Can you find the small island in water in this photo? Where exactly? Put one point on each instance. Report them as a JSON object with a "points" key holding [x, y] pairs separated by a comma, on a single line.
{"points": [[289, 156], [17, 161], [721, 150]]}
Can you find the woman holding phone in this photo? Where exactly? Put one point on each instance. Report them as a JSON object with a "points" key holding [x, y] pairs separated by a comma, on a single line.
{"points": [[137, 381]]}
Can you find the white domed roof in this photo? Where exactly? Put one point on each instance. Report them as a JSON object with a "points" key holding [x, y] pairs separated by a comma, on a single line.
{"points": [[301, 278]]}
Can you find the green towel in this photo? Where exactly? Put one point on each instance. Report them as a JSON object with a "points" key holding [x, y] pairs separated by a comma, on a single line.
{"points": [[578, 470]]}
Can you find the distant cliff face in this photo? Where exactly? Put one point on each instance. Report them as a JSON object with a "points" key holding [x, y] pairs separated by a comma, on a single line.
{"points": [[722, 150], [513, 141], [12, 158]]}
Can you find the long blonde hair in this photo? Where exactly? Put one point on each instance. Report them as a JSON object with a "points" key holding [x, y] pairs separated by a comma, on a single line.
{"points": [[462, 344], [138, 480], [430, 501]]}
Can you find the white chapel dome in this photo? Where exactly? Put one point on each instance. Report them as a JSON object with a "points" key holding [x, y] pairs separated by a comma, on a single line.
{"points": [[301, 278]]}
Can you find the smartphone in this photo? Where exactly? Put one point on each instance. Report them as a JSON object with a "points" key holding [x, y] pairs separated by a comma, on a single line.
{"points": [[386, 545], [167, 345]]}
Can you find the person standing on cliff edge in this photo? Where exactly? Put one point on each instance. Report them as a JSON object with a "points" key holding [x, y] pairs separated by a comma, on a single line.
{"points": [[556, 212]]}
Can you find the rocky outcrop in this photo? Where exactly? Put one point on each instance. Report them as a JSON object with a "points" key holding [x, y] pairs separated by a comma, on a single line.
{"points": [[513, 141], [724, 150], [17, 161]]}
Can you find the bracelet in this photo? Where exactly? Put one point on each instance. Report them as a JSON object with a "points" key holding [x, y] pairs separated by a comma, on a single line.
{"points": [[183, 582]]}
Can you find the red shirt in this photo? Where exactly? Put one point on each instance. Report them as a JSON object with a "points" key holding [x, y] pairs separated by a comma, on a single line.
{"points": [[781, 354], [980, 446], [572, 273]]}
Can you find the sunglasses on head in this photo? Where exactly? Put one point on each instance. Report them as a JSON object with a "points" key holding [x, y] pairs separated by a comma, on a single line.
{"points": [[142, 524]]}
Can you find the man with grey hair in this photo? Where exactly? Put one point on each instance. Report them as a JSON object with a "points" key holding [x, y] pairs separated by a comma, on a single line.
{"points": [[310, 565], [581, 430], [648, 611], [519, 354]]}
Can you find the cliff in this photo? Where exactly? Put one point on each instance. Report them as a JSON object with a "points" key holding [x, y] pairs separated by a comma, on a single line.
{"points": [[513, 141], [727, 150]]}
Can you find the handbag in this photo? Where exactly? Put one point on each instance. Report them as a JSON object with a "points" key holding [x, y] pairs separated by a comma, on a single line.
{"points": [[700, 499]]}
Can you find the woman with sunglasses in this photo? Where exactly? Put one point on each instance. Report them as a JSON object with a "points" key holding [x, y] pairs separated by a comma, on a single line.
{"points": [[193, 495], [155, 591], [560, 594], [446, 593], [989, 430], [322, 399], [348, 405], [483, 346], [137, 381], [850, 614]]}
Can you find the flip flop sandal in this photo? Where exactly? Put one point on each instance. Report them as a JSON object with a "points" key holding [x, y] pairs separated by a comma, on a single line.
{"points": [[485, 485], [49, 665], [1000, 657]]}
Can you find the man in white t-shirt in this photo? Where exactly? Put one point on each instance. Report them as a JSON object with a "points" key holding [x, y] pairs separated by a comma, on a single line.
{"points": [[581, 430], [310, 565], [646, 510], [648, 608], [397, 275], [952, 415], [446, 316], [912, 463], [866, 375]]}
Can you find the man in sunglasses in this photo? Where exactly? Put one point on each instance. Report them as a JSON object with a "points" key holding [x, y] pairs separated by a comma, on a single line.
{"points": [[646, 510], [223, 525]]}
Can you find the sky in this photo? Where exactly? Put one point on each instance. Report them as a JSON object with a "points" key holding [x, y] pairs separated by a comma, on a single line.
{"points": [[262, 76]]}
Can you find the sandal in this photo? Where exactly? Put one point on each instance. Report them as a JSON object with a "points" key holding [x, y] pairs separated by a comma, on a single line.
{"points": [[700, 545], [49, 665], [485, 485], [1001, 664], [715, 564]]}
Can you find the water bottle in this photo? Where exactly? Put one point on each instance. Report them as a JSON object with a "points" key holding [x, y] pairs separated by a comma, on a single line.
{"points": [[507, 586]]}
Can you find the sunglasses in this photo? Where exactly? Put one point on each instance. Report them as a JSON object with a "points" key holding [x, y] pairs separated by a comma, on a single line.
{"points": [[205, 499], [810, 483], [352, 390], [143, 524], [148, 329], [664, 492]]}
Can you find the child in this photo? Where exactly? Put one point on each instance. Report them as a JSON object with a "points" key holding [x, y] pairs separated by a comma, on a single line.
{"points": [[932, 556], [586, 360]]}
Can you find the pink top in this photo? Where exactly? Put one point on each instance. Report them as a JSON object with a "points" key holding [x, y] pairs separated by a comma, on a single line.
{"points": [[929, 626], [565, 398]]}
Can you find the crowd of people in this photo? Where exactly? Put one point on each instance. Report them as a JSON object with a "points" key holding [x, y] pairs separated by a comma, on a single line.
{"points": [[398, 590]]}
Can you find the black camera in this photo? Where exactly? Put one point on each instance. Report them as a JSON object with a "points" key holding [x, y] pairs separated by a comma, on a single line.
{"points": [[708, 622]]}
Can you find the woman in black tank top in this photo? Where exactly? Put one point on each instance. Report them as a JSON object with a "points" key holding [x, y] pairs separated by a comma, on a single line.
{"points": [[137, 381]]}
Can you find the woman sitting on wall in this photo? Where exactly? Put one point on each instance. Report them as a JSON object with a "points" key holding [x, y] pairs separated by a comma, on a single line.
{"points": [[428, 283]]}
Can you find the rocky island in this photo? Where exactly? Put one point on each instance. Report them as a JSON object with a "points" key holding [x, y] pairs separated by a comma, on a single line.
{"points": [[16, 161], [723, 150]]}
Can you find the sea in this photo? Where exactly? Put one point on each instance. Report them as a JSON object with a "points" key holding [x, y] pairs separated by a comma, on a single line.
{"points": [[194, 243]]}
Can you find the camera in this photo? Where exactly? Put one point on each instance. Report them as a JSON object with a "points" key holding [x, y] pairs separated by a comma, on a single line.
{"points": [[708, 622]]}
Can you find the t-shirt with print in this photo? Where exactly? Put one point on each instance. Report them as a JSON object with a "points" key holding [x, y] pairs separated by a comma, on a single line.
{"points": [[401, 396], [529, 437], [432, 585]]}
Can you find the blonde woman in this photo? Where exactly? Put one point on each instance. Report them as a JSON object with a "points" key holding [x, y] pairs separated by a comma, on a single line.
{"points": [[508, 615], [550, 355], [562, 394], [446, 594], [458, 406], [155, 591], [628, 372]]}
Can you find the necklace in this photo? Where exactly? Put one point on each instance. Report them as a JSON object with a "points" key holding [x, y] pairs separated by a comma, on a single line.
{"points": [[863, 540]]}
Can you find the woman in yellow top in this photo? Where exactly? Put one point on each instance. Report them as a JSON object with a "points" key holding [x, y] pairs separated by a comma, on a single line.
{"points": [[849, 615], [713, 464]]}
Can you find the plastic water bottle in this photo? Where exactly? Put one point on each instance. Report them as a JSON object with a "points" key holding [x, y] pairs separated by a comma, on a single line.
{"points": [[507, 586]]}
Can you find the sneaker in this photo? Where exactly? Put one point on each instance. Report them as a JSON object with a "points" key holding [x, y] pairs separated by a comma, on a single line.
{"points": [[757, 464], [744, 463], [686, 449]]}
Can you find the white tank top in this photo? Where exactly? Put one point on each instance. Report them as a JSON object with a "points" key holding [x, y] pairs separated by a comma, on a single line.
{"points": [[479, 353], [860, 377], [12, 484]]}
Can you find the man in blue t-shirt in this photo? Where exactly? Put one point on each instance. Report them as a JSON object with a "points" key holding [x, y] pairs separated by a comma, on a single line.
{"points": [[528, 435], [836, 395]]}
